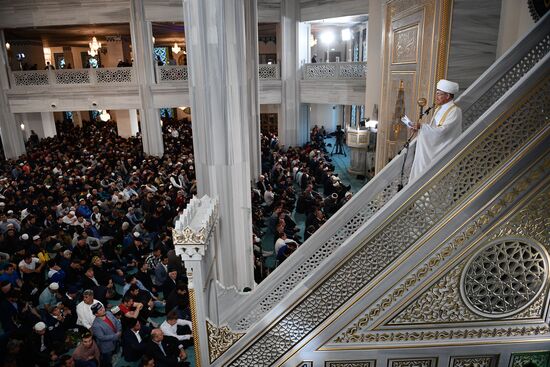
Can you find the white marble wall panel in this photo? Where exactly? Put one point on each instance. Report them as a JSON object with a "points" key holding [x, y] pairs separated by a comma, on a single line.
{"points": [[322, 9], [172, 10], [163, 10], [73, 99], [81, 98], [474, 34], [333, 92], [171, 95], [269, 11], [270, 91], [27, 13]]}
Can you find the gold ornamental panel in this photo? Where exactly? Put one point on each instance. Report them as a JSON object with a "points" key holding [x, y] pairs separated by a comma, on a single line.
{"points": [[405, 49]]}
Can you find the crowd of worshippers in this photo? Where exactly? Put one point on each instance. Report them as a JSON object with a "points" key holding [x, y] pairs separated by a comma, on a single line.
{"points": [[86, 252], [297, 183]]}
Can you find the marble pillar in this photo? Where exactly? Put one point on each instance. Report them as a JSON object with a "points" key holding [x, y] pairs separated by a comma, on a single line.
{"points": [[375, 34], [216, 46], [10, 130], [144, 67], [77, 117], [126, 122], [48, 124], [289, 115], [251, 26]]}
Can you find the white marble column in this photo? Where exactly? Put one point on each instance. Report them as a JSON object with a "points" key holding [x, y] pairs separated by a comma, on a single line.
{"points": [[216, 46], [251, 26], [48, 124], [10, 130], [375, 35], [141, 32], [77, 117], [289, 115], [126, 122]]}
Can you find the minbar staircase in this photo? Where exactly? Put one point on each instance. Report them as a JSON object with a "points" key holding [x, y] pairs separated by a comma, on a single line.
{"points": [[452, 270]]}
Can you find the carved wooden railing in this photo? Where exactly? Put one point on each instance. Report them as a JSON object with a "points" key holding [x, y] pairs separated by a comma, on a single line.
{"points": [[173, 73]]}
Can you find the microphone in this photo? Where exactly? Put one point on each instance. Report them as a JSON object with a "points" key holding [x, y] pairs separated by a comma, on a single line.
{"points": [[428, 110]]}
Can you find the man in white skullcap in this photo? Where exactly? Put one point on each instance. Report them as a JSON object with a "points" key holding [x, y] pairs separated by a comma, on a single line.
{"points": [[444, 127]]}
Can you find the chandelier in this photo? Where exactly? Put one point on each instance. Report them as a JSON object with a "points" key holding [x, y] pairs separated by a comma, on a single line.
{"points": [[104, 116], [176, 49], [94, 47]]}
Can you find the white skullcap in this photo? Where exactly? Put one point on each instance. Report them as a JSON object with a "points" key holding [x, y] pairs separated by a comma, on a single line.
{"points": [[24, 236], [447, 86], [35, 237], [54, 286], [39, 326]]}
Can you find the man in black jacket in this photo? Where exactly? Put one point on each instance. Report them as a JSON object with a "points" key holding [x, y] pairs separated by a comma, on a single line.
{"points": [[133, 341], [164, 353]]}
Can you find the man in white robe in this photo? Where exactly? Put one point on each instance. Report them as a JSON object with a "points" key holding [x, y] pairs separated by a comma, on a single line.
{"points": [[444, 128]]}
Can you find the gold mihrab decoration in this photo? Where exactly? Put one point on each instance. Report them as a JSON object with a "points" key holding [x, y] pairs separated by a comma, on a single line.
{"points": [[220, 339]]}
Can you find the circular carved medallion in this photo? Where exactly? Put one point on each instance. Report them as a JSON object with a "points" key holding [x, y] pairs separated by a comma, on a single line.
{"points": [[504, 277]]}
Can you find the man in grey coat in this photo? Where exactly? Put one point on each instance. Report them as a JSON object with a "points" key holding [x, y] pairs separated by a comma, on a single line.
{"points": [[106, 329]]}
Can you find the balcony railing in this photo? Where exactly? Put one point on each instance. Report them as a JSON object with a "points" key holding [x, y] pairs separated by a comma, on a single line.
{"points": [[103, 76], [172, 73], [335, 71], [269, 71]]}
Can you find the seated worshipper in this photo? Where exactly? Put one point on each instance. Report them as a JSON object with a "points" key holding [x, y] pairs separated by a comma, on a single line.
{"points": [[11, 275], [55, 273], [179, 329], [85, 316], [131, 310], [49, 298], [171, 281], [38, 346], [286, 251], [107, 330], [9, 312], [161, 272], [442, 130], [31, 269], [69, 301], [165, 353], [147, 299], [87, 354], [133, 341], [144, 276], [178, 301], [89, 281], [56, 322]]}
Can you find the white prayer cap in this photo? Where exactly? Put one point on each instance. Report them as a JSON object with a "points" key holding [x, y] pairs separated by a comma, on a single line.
{"points": [[39, 326], [54, 286], [447, 86]]}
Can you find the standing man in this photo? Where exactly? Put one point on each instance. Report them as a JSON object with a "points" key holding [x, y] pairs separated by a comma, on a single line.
{"points": [[106, 329], [85, 316], [444, 127]]}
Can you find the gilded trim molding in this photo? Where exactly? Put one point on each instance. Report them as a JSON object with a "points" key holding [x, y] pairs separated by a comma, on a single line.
{"points": [[196, 340], [220, 339], [444, 39]]}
